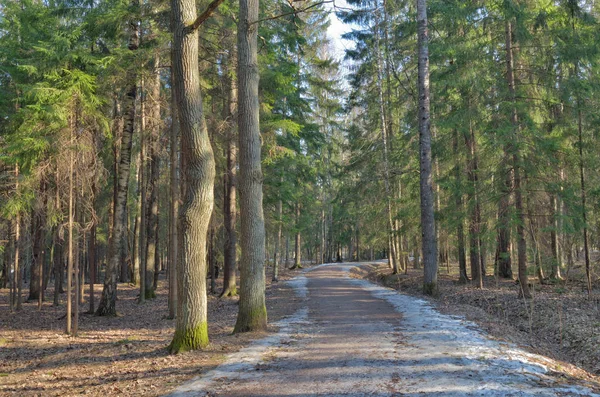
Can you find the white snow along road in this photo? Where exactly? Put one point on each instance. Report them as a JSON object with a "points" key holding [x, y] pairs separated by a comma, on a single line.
{"points": [[356, 338]]}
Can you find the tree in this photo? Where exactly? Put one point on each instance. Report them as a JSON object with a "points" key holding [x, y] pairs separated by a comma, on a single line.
{"points": [[430, 265], [191, 331], [107, 305], [252, 315]]}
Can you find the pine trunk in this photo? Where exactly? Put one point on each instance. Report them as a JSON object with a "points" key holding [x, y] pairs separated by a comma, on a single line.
{"points": [[277, 255], [514, 148], [38, 225], [152, 209], [230, 207], [430, 264], [107, 305], [174, 199]]}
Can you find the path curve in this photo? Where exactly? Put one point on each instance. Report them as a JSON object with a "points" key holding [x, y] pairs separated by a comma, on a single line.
{"points": [[355, 338]]}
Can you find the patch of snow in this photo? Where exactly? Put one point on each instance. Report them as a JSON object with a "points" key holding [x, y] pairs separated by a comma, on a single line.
{"points": [[239, 365], [298, 283], [448, 355]]}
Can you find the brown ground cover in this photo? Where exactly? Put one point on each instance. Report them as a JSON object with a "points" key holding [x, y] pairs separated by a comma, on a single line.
{"points": [[559, 322], [124, 355]]}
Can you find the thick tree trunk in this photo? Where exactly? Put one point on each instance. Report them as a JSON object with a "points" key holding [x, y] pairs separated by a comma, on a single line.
{"points": [[430, 264], [230, 208], [252, 315], [191, 331], [107, 306]]}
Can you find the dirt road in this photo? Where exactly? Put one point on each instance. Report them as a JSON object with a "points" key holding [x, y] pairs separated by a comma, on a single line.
{"points": [[354, 338]]}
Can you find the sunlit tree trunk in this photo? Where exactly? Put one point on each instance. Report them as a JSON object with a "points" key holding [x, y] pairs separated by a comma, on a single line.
{"points": [[252, 315], [191, 331], [430, 264]]}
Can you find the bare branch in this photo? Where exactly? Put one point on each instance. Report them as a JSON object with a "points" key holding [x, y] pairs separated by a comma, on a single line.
{"points": [[293, 12], [206, 14]]}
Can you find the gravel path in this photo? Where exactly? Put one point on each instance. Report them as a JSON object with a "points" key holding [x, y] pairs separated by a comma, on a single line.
{"points": [[355, 338]]}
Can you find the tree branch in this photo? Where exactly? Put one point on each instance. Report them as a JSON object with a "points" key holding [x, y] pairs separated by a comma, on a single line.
{"points": [[293, 12], [206, 14]]}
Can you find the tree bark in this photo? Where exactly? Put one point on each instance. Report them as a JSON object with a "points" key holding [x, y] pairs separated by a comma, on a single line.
{"points": [[430, 264], [92, 257], [70, 238], [107, 306], [475, 254], [252, 315], [174, 203], [152, 209], [191, 330], [392, 256], [297, 242], [277, 258], [39, 246], [556, 260], [460, 232], [586, 249], [513, 147], [230, 207]]}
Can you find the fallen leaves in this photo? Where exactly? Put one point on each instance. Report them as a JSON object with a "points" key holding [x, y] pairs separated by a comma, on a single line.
{"points": [[124, 355]]}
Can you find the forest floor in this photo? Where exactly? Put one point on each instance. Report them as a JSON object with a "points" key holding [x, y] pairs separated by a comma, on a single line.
{"points": [[560, 321], [123, 355]]}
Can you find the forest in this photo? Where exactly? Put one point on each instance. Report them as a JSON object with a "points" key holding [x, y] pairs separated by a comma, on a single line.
{"points": [[169, 170]]}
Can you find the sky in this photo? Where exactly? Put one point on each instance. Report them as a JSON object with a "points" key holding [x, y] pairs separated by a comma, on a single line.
{"points": [[336, 29]]}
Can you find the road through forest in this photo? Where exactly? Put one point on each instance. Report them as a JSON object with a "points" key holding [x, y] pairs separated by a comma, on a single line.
{"points": [[355, 338]]}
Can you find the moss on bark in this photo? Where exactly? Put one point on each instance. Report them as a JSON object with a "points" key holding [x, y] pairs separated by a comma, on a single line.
{"points": [[190, 339], [255, 320], [430, 289]]}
